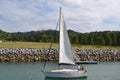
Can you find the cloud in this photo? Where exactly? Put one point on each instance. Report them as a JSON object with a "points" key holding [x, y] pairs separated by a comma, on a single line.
{"points": [[91, 14], [80, 15], [72, 2]]}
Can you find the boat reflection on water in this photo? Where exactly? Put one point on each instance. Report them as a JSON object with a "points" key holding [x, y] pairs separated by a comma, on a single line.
{"points": [[66, 78]]}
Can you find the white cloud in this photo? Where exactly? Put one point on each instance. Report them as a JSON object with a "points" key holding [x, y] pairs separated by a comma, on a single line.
{"points": [[75, 2], [80, 15]]}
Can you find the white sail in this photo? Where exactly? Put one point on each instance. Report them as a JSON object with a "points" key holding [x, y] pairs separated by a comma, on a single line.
{"points": [[65, 51]]}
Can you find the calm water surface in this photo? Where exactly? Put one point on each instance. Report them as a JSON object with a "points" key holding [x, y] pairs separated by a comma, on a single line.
{"points": [[31, 71]]}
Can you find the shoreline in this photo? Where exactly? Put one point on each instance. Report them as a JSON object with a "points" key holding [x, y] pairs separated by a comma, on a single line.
{"points": [[40, 54]]}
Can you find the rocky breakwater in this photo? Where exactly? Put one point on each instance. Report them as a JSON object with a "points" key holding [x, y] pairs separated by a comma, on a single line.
{"points": [[97, 55], [27, 54], [31, 55]]}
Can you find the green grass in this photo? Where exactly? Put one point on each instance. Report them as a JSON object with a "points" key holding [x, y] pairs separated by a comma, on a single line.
{"points": [[96, 47], [26, 45], [47, 45]]}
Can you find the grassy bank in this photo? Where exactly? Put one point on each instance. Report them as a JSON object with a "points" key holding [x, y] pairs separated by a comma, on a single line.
{"points": [[55, 45], [25, 45]]}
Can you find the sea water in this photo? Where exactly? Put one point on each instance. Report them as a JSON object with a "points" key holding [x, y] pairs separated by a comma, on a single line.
{"points": [[32, 71]]}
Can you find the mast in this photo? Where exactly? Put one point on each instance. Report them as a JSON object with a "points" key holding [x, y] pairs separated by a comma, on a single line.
{"points": [[59, 37]]}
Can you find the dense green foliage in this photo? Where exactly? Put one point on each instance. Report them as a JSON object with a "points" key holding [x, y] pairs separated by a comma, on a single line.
{"points": [[105, 38]]}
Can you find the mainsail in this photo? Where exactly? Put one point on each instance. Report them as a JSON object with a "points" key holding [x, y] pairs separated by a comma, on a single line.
{"points": [[65, 51]]}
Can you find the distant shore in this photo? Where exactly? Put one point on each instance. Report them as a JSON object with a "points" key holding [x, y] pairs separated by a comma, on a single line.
{"points": [[41, 54]]}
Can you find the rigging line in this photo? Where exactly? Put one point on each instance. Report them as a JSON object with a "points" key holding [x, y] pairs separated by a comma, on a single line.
{"points": [[47, 56]]}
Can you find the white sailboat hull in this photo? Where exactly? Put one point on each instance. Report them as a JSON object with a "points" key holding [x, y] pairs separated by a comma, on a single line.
{"points": [[65, 73]]}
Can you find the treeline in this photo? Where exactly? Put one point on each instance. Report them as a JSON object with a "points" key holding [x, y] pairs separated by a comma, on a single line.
{"points": [[104, 38]]}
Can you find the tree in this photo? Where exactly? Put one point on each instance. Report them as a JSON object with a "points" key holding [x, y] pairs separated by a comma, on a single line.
{"points": [[44, 38], [114, 38], [74, 39], [100, 41], [108, 40], [80, 39], [90, 39]]}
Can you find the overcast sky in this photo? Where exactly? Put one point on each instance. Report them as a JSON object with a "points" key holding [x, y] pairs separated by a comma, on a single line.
{"points": [[80, 15]]}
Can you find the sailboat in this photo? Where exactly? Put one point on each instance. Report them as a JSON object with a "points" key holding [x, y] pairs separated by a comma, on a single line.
{"points": [[66, 56]]}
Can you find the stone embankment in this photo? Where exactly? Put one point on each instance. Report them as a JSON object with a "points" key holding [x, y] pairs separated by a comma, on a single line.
{"points": [[31, 55]]}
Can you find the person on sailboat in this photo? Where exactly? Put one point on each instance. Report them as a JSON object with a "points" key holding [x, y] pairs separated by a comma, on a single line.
{"points": [[81, 68]]}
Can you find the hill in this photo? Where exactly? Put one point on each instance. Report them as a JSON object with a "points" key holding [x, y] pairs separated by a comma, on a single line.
{"points": [[105, 38]]}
